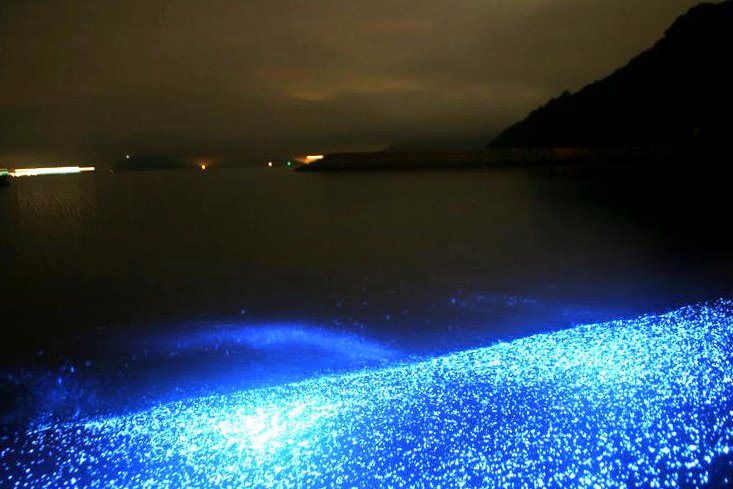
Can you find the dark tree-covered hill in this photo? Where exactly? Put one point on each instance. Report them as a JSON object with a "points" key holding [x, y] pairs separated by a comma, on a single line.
{"points": [[678, 92]]}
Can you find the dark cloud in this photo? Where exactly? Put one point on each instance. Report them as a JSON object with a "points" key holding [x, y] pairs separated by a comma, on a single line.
{"points": [[247, 79]]}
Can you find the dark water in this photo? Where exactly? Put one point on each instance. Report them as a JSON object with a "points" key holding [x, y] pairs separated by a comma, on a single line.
{"points": [[157, 284]]}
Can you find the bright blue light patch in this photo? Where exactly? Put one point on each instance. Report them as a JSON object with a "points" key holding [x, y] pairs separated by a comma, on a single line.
{"points": [[645, 402]]}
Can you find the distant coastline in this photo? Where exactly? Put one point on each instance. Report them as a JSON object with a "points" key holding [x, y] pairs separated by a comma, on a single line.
{"points": [[669, 107], [648, 158], [144, 163]]}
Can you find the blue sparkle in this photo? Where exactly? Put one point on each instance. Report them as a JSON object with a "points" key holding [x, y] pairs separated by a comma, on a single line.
{"points": [[634, 403]]}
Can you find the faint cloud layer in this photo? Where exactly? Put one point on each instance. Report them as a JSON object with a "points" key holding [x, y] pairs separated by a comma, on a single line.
{"points": [[94, 79]]}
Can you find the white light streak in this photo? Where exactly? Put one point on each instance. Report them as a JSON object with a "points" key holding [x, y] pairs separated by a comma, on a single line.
{"points": [[58, 170]]}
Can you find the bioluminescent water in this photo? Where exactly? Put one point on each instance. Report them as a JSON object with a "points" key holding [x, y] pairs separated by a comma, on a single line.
{"points": [[634, 403], [277, 336]]}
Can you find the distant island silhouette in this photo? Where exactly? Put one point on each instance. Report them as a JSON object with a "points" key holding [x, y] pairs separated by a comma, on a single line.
{"points": [[147, 162], [668, 107], [677, 92]]}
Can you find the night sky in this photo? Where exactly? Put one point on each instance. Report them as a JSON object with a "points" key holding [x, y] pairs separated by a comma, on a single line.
{"points": [[242, 80]]}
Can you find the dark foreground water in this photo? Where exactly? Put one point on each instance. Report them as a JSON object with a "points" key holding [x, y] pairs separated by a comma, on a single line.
{"points": [[121, 292]]}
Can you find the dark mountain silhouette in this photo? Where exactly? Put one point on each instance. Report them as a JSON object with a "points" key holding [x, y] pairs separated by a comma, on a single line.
{"points": [[679, 92]]}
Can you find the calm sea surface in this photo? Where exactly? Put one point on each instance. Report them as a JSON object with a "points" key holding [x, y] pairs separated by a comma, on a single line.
{"points": [[155, 283]]}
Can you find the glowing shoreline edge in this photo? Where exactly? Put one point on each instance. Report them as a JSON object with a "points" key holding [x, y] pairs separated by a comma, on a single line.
{"points": [[634, 403]]}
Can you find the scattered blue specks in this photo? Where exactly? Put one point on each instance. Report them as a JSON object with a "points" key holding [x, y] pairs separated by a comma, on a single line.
{"points": [[638, 403]]}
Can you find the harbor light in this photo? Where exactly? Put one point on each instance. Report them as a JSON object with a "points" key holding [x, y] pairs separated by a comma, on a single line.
{"points": [[307, 159], [312, 158]]}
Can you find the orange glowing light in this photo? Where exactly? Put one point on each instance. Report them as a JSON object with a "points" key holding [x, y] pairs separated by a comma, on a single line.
{"points": [[269, 164], [312, 158], [203, 166]]}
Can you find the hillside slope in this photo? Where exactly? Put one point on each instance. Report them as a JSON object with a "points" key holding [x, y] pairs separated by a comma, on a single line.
{"points": [[677, 92]]}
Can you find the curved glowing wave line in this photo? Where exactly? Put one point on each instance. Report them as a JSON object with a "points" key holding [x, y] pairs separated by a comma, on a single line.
{"points": [[645, 402], [274, 336]]}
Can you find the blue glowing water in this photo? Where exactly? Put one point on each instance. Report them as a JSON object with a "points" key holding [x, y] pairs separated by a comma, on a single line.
{"points": [[645, 402], [276, 336]]}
